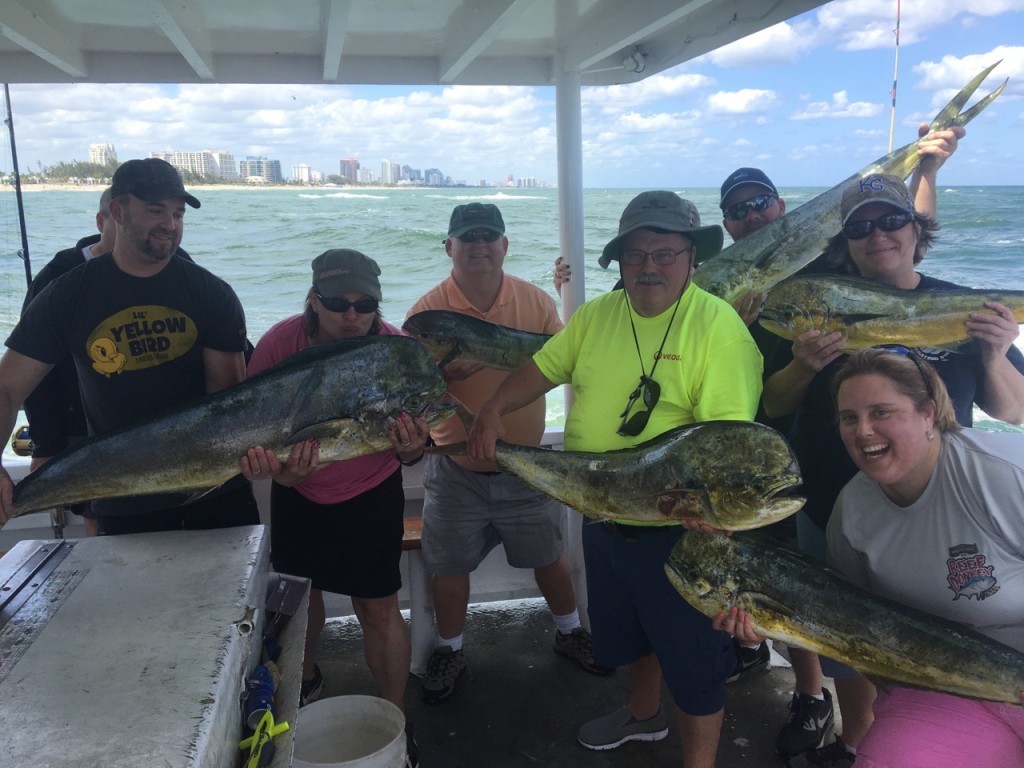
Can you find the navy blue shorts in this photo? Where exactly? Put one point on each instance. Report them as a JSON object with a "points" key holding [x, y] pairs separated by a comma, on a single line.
{"points": [[350, 548], [634, 610]]}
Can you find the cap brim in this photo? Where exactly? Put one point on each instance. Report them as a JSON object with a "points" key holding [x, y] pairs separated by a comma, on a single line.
{"points": [[743, 183], [707, 240], [156, 194], [864, 203], [470, 227]]}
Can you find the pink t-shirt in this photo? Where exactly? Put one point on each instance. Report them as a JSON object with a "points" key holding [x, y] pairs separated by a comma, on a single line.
{"points": [[340, 480]]}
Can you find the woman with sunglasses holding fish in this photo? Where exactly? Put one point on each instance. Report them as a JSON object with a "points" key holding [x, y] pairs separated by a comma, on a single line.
{"points": [[341, 524], [931, 521], [883, 239]]}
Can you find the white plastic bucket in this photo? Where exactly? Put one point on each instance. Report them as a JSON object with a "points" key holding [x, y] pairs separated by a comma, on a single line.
{"points": [[349, 731]]}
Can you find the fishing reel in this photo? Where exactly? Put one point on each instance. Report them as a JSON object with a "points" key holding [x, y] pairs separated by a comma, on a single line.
{"points": [[21, 443]]}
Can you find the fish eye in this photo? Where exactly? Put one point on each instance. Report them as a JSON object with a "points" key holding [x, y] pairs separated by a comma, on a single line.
{"points": [[413, 403]]}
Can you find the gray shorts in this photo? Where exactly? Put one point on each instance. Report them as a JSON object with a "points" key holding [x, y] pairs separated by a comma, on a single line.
{"points": [[466, 514]]}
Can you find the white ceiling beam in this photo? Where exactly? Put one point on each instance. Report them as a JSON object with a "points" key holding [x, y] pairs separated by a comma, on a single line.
{"points": [[479, 25], [183, 25], [53, 46], [335, 30], [619, 25]]}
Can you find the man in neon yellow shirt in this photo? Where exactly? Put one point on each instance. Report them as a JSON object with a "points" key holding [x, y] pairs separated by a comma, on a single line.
{"points": [[695, 361]]}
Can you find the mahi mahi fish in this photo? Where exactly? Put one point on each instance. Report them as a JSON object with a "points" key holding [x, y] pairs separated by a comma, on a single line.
{"points": [[344, 395], [780, 249], [453, 335], [732, 475], [869, 313], [791, 598]]}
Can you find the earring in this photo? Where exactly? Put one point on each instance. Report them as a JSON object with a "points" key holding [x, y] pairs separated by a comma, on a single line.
{"points": [[930, 435]]}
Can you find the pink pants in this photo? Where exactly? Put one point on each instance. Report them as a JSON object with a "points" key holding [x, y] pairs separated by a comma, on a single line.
{"points": [[924, 729]]}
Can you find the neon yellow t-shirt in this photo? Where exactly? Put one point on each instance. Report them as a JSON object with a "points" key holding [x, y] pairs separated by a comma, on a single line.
{"points": [[710, 367]]}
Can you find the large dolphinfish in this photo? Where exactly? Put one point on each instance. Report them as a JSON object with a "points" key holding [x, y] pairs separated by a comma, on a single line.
{"points": [[343, 394], [780, 249], [791, 598], [869, 313], [732, 475], [454, 335]]}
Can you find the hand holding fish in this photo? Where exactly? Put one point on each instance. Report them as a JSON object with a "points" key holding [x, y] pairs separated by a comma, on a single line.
{"points": [[995, 330], [258, 463], [409, 437], [737, 623], [936, 148], [457, 370], [815, 351], [748, 306]]}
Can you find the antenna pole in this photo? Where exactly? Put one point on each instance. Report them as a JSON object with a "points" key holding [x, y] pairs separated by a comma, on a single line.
{"points": [[23, 253], [895, 73]]}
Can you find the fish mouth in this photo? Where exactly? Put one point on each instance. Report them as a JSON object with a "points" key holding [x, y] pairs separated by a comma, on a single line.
{"points": [[739, 510]]}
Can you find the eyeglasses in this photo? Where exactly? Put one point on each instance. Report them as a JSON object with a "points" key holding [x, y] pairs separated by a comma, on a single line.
{"points": [[858, 230], [899, 349], [487, 235], [633, 424], [362, 306], [757, 204], [661, 258]]}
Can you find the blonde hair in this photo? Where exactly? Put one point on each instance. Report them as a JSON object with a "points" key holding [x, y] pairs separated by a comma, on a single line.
{"points": [[912, 376]]}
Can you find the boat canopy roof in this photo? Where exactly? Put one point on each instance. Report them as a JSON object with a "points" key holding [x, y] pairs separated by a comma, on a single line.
{"points": [[406, 42]]}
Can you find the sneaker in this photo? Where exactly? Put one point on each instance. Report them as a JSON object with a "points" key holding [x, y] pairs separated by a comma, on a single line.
{"points": [[312, 689], [443, 670], [616, 729], [750, 661], [808, 726], [578, 645], [412, 749], [834, 755]]}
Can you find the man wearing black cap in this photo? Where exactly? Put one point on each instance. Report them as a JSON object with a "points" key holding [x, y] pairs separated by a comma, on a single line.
{"points": [[145, 331], [468, 506], [695, 361]]}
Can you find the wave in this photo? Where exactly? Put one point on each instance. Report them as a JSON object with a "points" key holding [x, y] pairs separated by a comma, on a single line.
{"points": [[344, 195]]}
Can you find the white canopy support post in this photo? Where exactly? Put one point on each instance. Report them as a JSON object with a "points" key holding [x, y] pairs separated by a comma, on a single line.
{"points": [[569, 119]]}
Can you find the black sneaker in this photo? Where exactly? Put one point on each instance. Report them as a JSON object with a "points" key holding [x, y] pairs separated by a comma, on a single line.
{"points": [[750, 661], [578, 646], [312, 689], [443, 671], [834, 755], [808, 726]]}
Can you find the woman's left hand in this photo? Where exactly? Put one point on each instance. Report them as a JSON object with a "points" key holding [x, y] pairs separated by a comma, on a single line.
{"points": [[409, 436], [737, 623], [994, 332]]}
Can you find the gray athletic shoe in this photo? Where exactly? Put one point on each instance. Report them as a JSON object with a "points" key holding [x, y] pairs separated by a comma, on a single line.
{"points": [[617, 728], [443, 671]]}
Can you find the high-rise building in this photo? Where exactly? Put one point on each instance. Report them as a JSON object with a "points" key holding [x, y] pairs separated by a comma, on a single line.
{"points": [[390, 172], [260, 170], [350, 169], [101, 154], [226, 164], [364, 176], [302, 172], [433, 177], [205, 164]]}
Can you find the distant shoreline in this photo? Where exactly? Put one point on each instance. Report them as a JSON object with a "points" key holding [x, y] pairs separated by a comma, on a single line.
{"points": [[201, 188]]}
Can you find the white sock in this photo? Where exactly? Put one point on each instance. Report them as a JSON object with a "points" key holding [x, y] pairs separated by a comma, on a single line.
{"points": [[455, 643], [567, 622]]}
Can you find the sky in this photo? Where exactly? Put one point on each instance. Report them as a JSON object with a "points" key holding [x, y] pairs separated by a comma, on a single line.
{"points": [[807, 100]]}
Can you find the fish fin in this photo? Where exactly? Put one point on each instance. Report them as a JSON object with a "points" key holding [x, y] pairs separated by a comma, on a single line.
{"points": [[866, 317], [452, 449], [466, 416], [320, 430], [758, 602], [200, 494]]}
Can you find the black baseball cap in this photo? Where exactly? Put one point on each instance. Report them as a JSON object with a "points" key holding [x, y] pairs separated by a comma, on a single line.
{"points": [[742, 176], [150, 180]]}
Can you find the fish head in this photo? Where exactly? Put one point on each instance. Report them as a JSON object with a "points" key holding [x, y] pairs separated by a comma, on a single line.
{"points": [[748, 472], [794, 306], [433, 329], [702, 568]]}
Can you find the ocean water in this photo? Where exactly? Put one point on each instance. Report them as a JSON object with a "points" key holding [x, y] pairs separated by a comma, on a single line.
{"points": [[262, 240]]}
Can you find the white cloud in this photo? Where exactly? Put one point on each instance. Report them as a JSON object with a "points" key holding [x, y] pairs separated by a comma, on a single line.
{"points": [[779, 44], [839, 107], [743, 101]]}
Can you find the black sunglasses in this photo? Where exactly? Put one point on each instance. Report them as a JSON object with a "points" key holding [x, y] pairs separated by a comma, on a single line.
{"points": [[362, 306], [858, 230], [739, 211], [633, 424], [487, 235], [899, 349]]}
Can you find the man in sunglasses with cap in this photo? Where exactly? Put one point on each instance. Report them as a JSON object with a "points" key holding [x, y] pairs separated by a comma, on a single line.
{"points": [[657, 355], [468, 506], [146, 330]]}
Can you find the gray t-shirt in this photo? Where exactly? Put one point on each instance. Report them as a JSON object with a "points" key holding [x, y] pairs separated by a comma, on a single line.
{"points": [[958, 551]]}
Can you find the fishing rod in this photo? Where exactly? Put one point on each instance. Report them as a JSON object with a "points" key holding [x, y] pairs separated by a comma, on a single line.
{"points": [[895, 72], [23, 253]]}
